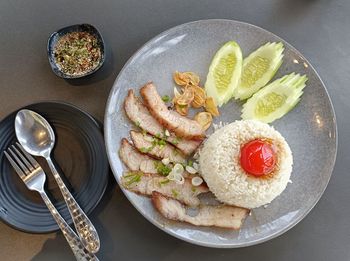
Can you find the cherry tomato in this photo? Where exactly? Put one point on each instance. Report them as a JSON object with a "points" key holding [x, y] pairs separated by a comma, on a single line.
{"points": [[258, 157]]}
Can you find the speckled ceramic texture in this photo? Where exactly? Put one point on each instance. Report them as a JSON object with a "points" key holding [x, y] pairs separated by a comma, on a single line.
{"points": [[54, 37], [310, 128]]}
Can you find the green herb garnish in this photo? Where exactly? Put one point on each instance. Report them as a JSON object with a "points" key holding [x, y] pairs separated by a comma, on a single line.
{"points": [[166, 98], [175, 193], [143, 150], [158, 142], [146, 150], [154, 142], [166, 181], [137, 123], [190, 163], [162, 169], [133, 178], [176, 140], [161, 142]]}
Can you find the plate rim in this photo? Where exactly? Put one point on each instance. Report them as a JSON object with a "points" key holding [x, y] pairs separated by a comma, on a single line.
{"points": [[98, 125], [197, 242]]}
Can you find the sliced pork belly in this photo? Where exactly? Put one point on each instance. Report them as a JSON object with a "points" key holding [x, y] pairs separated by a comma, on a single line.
{"points": [[182, 126], [148, 144], [219, 216], [135, 160], [145, 184], [139, 114]]}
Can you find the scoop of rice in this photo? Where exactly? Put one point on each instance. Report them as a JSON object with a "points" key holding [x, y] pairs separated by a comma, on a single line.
{"points": [[221, 169]]}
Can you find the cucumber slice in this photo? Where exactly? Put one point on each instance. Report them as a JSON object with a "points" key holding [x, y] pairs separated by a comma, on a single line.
{"points": [[259, 68], [276, 99], [224, 73]]}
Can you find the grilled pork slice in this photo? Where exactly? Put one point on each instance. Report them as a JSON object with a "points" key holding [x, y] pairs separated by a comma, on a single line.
{"points": [[157, 148], [145, 184], [180, 125], [219, 216], [139, 114], [135, 160]]}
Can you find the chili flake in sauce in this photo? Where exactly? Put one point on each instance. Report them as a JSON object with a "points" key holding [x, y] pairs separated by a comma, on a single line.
{"points": [[77, 53]]}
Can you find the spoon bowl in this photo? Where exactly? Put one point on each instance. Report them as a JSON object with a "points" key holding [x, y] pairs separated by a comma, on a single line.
{"points": [[34, 133]]}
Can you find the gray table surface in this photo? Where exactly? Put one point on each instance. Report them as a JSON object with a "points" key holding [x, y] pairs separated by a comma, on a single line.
{"points": [[320, 29]]}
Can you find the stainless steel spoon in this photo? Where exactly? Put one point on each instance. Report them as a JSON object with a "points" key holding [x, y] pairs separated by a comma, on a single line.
{"points": [[36, 136]]}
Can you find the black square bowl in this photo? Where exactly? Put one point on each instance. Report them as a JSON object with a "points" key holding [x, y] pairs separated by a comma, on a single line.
{"points": [[69, 29]]}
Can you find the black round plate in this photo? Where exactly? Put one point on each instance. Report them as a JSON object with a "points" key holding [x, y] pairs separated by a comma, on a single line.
{"points": [[80, 154]]}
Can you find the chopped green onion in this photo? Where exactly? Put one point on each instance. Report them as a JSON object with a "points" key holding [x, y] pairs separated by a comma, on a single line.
{"points": [[145, 150], [162, 169], [176, 141], [133, 178], [161, 142], [166, 98], [158, 142], [166, 181], [175, 193]]}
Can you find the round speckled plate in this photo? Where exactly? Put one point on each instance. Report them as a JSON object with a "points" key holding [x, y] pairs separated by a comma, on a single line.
{"points": [[310, 128]]}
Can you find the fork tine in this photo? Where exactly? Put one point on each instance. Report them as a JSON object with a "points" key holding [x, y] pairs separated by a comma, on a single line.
{"points": [[15, 166], [29, 157], [23, 158], [18, 161]]}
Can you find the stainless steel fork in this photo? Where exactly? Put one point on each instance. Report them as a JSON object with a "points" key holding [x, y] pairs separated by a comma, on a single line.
{"points": [[34, 177]]}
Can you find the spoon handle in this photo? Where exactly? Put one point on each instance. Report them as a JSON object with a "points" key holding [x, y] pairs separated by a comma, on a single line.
{"points": [[82, 223]]}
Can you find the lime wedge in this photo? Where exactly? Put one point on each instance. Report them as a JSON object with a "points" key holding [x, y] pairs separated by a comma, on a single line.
{"points": [[224, 73], [276, 99], [258, 69]]}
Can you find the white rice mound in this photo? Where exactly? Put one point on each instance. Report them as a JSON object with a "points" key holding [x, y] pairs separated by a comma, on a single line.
{"points": [[220, 165]]}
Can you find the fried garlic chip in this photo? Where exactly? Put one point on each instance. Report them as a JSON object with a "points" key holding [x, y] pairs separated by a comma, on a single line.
{"points": [[199, 97], [186, 78], [204, 119], [211, 107], [186, 97]]}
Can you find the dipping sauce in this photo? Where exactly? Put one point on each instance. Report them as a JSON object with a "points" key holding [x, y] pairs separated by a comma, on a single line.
{"points": [[77, 53], [258, 157]]}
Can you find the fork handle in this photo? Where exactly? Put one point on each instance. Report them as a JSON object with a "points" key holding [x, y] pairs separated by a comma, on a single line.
{"points": [[82, 223], [74, 242]]}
